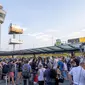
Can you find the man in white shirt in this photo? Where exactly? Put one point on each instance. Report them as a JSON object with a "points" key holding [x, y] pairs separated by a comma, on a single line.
{"points": [[41, 75], [55, 64], [77, 74]]}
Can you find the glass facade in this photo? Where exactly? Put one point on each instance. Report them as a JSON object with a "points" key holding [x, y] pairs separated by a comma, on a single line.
{"points": [[2, 15]]}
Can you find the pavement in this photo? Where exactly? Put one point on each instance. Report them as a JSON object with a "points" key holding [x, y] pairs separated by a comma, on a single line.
{"points": [[2, 82], [65, 83]]}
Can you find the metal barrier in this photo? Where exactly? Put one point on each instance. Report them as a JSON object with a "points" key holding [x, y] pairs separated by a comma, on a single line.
{"points": [[6, 78], [27, 80]]}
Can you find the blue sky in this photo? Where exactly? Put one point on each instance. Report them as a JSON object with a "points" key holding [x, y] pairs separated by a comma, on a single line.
{"points": [[44, 21]]}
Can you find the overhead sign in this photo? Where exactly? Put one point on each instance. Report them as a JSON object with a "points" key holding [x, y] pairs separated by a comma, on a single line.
{"points": [[82, 40], [14, 29], [15, 41], [58, 42], [77, 40]]}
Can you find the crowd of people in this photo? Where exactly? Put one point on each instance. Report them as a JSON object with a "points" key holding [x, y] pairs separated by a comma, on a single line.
{"points": [[43, 71]]}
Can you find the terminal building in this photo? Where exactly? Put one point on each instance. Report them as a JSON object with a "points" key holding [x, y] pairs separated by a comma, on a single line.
{"points": [[73, 46], [77, 40]]}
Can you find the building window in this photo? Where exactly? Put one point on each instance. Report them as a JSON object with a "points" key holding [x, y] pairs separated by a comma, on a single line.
{"points": [[2, 15]]}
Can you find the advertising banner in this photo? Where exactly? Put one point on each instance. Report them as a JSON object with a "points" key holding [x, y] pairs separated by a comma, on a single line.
{"points": [[14, 29]]}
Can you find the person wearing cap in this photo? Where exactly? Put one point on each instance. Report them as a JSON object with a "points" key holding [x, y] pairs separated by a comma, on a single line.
{"points": [[77, 74]]}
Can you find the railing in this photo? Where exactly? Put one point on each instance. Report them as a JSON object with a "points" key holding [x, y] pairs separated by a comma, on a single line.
{"points": [[6, 78], [27, 80]]}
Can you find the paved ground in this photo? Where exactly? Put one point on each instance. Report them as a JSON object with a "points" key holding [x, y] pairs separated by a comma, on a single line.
{"points": [[65, 83]]}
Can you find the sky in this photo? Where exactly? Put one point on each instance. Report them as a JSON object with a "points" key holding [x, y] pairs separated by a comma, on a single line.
{"points": [[43, 21]]}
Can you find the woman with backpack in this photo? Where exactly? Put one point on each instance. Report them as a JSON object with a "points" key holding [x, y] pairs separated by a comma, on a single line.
{"points": [[19, 70], [50, 76], [11, 72], [26, 72]]}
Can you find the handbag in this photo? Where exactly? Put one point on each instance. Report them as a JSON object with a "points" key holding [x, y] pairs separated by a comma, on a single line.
{"points": [[61, 79]]}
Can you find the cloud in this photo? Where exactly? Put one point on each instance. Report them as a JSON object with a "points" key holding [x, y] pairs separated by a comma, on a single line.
{"points": [[35, 34], [45, 35], [77, 34], [24, 29], [52, 30], [50, 36], [40, 36], [83, 30]]}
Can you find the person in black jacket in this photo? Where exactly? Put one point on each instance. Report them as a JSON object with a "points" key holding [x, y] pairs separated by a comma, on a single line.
{"points": [[19, 69], [53, 76], [50, 76]]}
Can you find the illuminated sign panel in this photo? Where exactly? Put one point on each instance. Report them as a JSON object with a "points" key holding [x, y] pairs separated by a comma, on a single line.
{"points": [[77, 40], [14, 41], [58, 42], [14, 29], [82, 40]]}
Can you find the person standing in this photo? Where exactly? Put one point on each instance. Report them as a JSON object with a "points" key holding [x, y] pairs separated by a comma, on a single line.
{"points": [[41, 75], [0, 71], [65, 72], [26, 72], [19, 71], [11, 72], [50, 76], [61, 66], [77, 74]]}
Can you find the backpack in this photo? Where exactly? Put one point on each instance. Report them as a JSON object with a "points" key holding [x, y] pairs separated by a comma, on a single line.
{"points": [[13, 68], [26, 72], [5, 69]]}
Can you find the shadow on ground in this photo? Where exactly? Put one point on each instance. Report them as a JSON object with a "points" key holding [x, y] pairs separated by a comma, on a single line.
{"points": [[4, 83]]}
